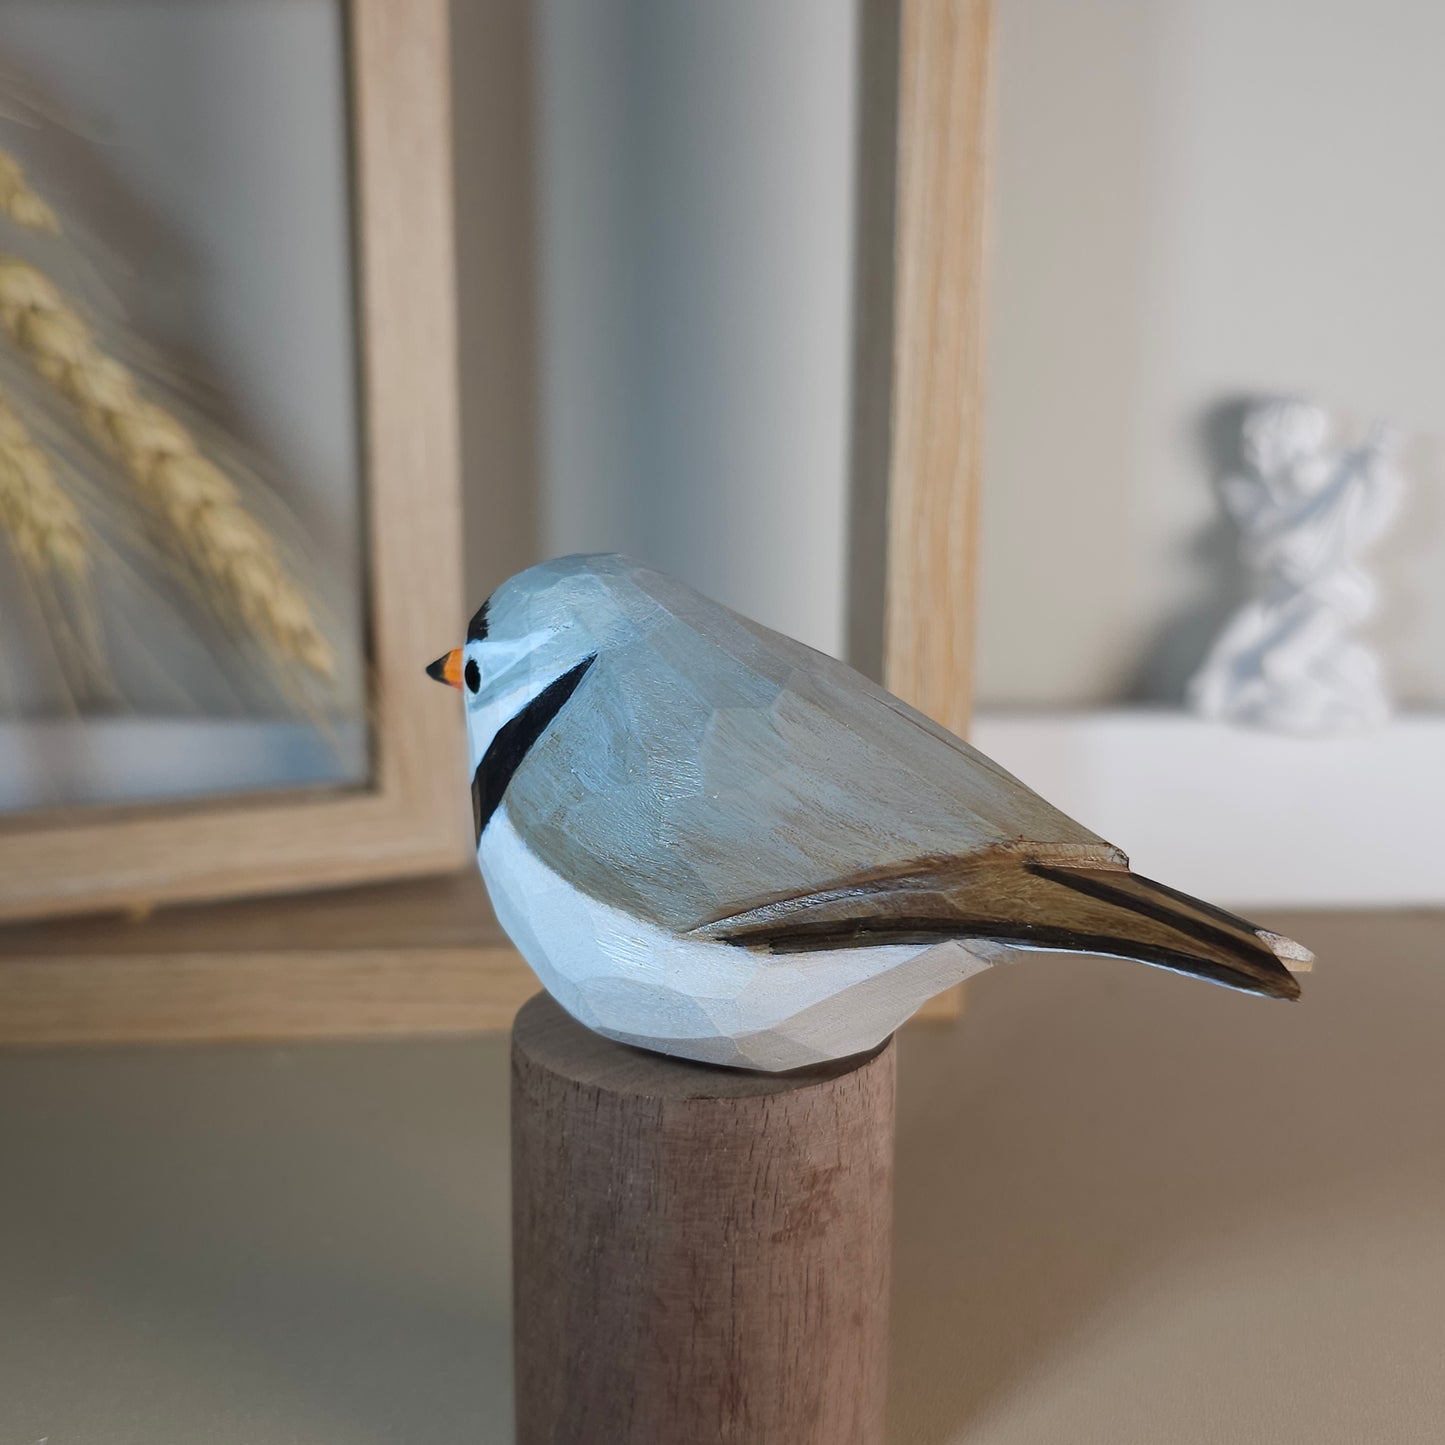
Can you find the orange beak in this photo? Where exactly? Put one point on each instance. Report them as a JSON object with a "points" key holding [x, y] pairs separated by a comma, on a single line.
{"points": [[448, 668]]}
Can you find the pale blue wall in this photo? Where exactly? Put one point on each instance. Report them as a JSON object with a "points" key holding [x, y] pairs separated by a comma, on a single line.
{"points": [[695, 232]]}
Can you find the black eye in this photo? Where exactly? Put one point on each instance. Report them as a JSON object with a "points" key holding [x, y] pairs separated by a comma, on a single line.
{"points": [[473, 674]]}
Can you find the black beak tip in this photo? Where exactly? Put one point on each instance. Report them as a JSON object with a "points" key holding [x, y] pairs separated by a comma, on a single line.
{"points": [[437, 670]]}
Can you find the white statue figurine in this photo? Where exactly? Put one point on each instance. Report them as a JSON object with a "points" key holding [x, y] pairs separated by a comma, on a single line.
{"points": [[712, 841], [1305, 511]]}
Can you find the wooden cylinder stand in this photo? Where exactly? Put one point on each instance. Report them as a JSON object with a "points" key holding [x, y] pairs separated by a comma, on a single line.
{"points": [[699, 1254]]}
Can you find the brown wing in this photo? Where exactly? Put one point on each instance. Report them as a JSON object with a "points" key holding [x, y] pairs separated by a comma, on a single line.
{"points": [[1007, 895]]}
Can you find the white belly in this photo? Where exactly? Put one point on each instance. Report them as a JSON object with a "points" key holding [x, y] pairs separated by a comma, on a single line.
{"points": [[634, 981]]}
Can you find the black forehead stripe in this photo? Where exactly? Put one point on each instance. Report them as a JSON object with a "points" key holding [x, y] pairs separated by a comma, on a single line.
{"points": [[477, 627], [514, 741]]}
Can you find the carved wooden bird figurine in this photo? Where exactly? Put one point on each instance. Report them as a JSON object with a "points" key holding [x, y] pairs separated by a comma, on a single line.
{"points": [[712, 841]]}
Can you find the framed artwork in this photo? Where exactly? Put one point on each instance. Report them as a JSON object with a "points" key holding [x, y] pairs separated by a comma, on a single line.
{"points": [[426, 956], [302, 251]]}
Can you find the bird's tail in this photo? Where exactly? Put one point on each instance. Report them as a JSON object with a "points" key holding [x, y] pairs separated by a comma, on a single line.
{"points": [[1114, 911], [1053, 900]]}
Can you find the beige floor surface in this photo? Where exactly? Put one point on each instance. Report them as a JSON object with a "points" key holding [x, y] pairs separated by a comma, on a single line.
{"points": [[1130, 1209]]}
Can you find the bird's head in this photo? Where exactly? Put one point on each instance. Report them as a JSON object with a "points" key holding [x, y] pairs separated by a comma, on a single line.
{"points": [[540, 630]]}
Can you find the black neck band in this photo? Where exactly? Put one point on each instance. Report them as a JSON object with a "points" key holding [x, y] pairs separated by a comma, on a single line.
{"points": [[514, 741]]}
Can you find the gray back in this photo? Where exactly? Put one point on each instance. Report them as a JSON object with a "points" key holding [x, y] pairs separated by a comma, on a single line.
{"points": [[708, 765]]}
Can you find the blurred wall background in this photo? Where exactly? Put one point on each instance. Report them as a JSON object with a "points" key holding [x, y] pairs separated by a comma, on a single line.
{"points": [[1195, 201], [1192, 202], [664, 346]]}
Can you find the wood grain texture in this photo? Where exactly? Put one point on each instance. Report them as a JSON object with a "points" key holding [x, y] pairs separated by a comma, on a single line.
{"points": [[918, 372], [421, 957], [412, 820], [937, 308], [936, 416], [700, 1254], [418, 957]]}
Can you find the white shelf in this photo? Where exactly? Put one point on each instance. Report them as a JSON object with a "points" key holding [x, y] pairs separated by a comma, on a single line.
{"points": [[1244, 817]]}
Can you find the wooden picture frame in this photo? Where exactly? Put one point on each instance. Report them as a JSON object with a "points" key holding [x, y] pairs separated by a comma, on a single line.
{"points": [[427, 957], [407, 820]]}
